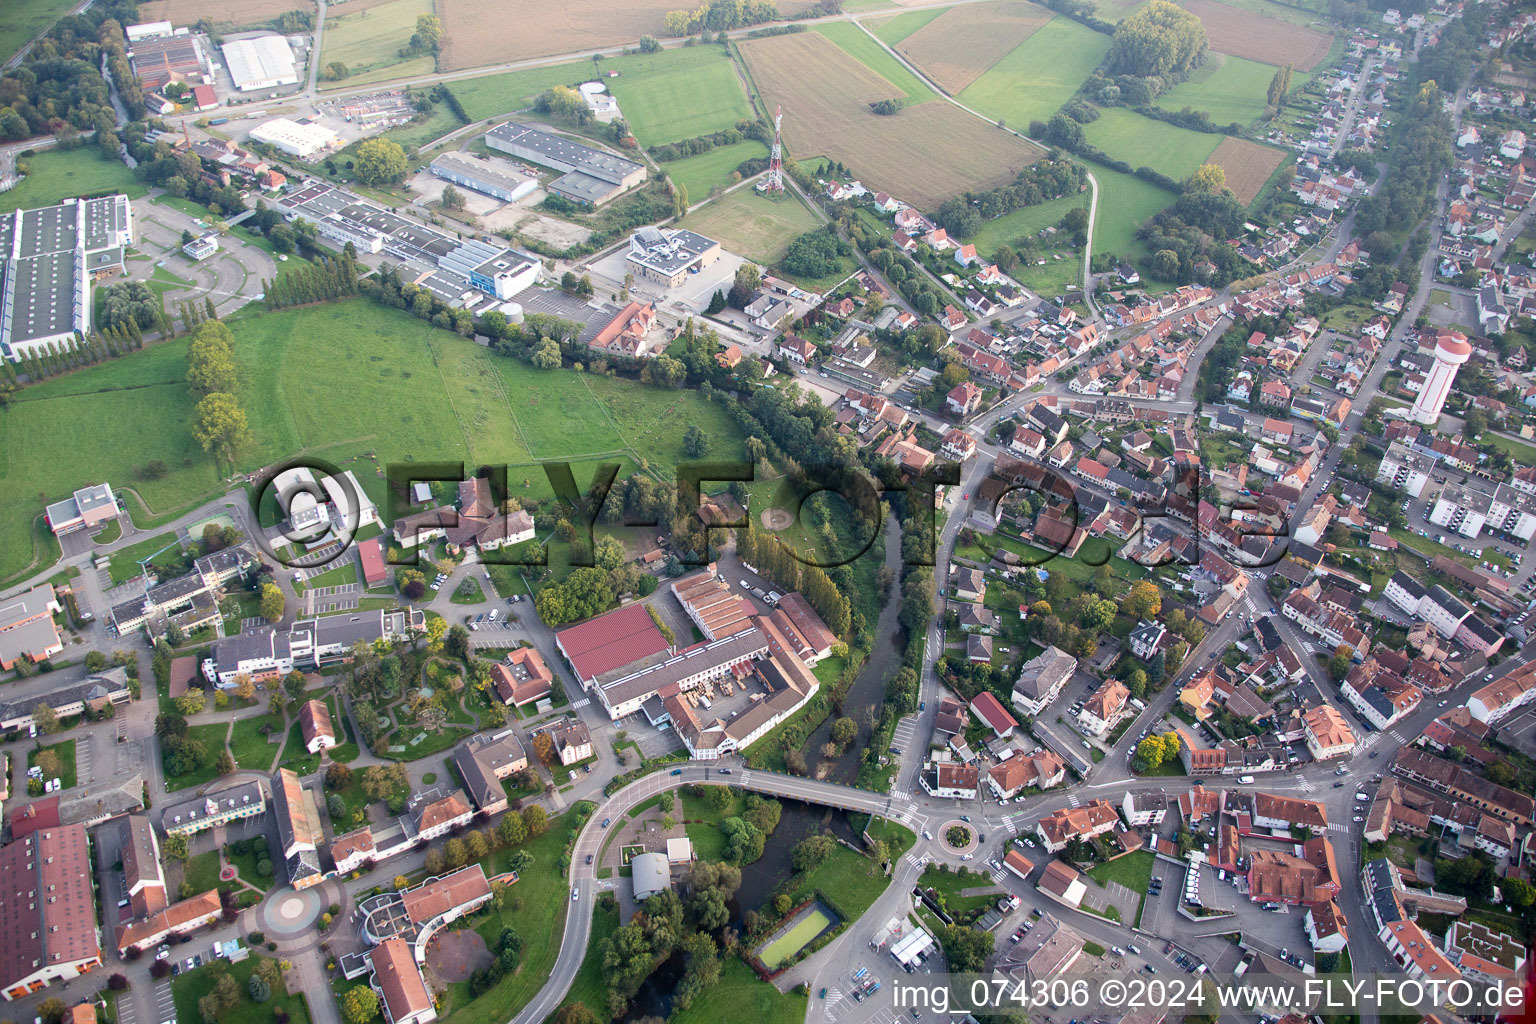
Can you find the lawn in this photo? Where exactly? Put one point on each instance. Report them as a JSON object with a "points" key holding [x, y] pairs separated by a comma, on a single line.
{"points": [[250, 746], [1134, 871], [853, 41], [952, 883], [590, 986], [1228, 88], [402, 391], [897, 27], [699, 174], [1054, 277], [25, 19], [299, 760], [1523, 454], [371, 39], [750, 225], [202, 871], [849, 881], [537, 912], [1025, 223], [1125, 203], [163, 548], [334, 577], [739, 995], [188, 988], [55, 175], [468, 592], [212, 737], [1054, 61], [1141, 141], [679, 94], [66, 753]]}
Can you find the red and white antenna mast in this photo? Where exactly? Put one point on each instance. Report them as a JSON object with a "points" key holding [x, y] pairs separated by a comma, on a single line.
{"points": [[774, 181]]}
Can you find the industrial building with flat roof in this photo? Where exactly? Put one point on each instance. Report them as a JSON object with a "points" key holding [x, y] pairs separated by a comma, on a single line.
{"points": [[86, 509], [260, 63], [592, 177], [460, 272], [48, 259], [304, 140], [159, 61], [500, 179], [669, 256]]}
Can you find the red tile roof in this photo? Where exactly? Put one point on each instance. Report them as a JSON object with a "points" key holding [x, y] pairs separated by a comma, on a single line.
{"points": [[611, 641]]}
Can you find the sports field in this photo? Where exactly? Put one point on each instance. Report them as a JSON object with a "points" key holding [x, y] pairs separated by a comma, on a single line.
{"points": [[679, 94], [1039, 75], [370, 39], [394, 387], [1141, 141], [1227, 88], [23, 20], [225, 14], [703, 172], [924, 154], [1247, 33], [896, 27], [752, 226], [55, 175], [1248, 166], [813, 921], [959, 45], [853, 41]]}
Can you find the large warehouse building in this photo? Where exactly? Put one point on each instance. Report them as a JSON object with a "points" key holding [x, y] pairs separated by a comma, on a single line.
{"points": [[304, 140], [500, 179], [158, 61], [460, 272], [48, 259], [592, 177], [264, 62]]}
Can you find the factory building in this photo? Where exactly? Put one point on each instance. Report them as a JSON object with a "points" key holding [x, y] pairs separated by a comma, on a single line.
{"points": [[264, 62], [592, 177], [500, 179]]}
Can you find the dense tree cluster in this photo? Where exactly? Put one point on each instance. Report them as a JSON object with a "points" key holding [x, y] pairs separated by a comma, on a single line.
{"points": [[1158, 39], [744, 129], [1195, 229], [58, 89], [816, 254], [1036, 183], [719, 16], [327, 278], [1422, 154]]}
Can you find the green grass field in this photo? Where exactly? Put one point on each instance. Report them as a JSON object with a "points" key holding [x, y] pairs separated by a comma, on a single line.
{"points": [[792, 941], [739, 995], [192, 986], [897, 27], [212, 737], [1125, 203], [1228, 88], [399, 389], [701, 173], [369, 40], [1054, 61], [852, 40], [679, 94], [22, 20], [1141, 141], [753, 226], [55, 175], [1025, 223], [249, 744]]}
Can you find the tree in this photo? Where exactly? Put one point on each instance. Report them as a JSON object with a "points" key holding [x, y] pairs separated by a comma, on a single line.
{"points": [[380, 161], [1143, 601], [46, 719], [512, 830], [695, 441], [743, 840], [452, 198], [536, 819], [966, 949], [1159, 39], [273, 603], [259, 990], [716, 303], [1279, 87], [220, 426], [844, 731], [175, 847], [360, 1005], [812, 851], [1207, 178], [428, 35]]}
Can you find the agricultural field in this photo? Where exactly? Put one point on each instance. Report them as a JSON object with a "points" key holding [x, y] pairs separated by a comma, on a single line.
{"points": [[227, 15], [896, 27], [1227, 88], [1259, 37], [1055, 61], [401, 390], [957, 47], [1248, 166], [753, 226], [23, 20], [480, 32], [924, 154], [853, 41], [370, 40], [679, 94], [701, 173], [1116, 10], [55, 175], [1141, 141]]}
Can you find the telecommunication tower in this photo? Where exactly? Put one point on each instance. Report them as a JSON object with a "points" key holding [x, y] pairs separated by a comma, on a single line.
{"points": [[773, 181]]}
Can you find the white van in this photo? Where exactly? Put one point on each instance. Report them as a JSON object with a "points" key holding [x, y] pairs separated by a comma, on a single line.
{"points": [[1246, 780]]}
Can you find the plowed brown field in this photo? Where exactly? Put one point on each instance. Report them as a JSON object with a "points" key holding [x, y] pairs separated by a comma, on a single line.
{"points": [[955, 48], [1252, 35], [1248, 165]]}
